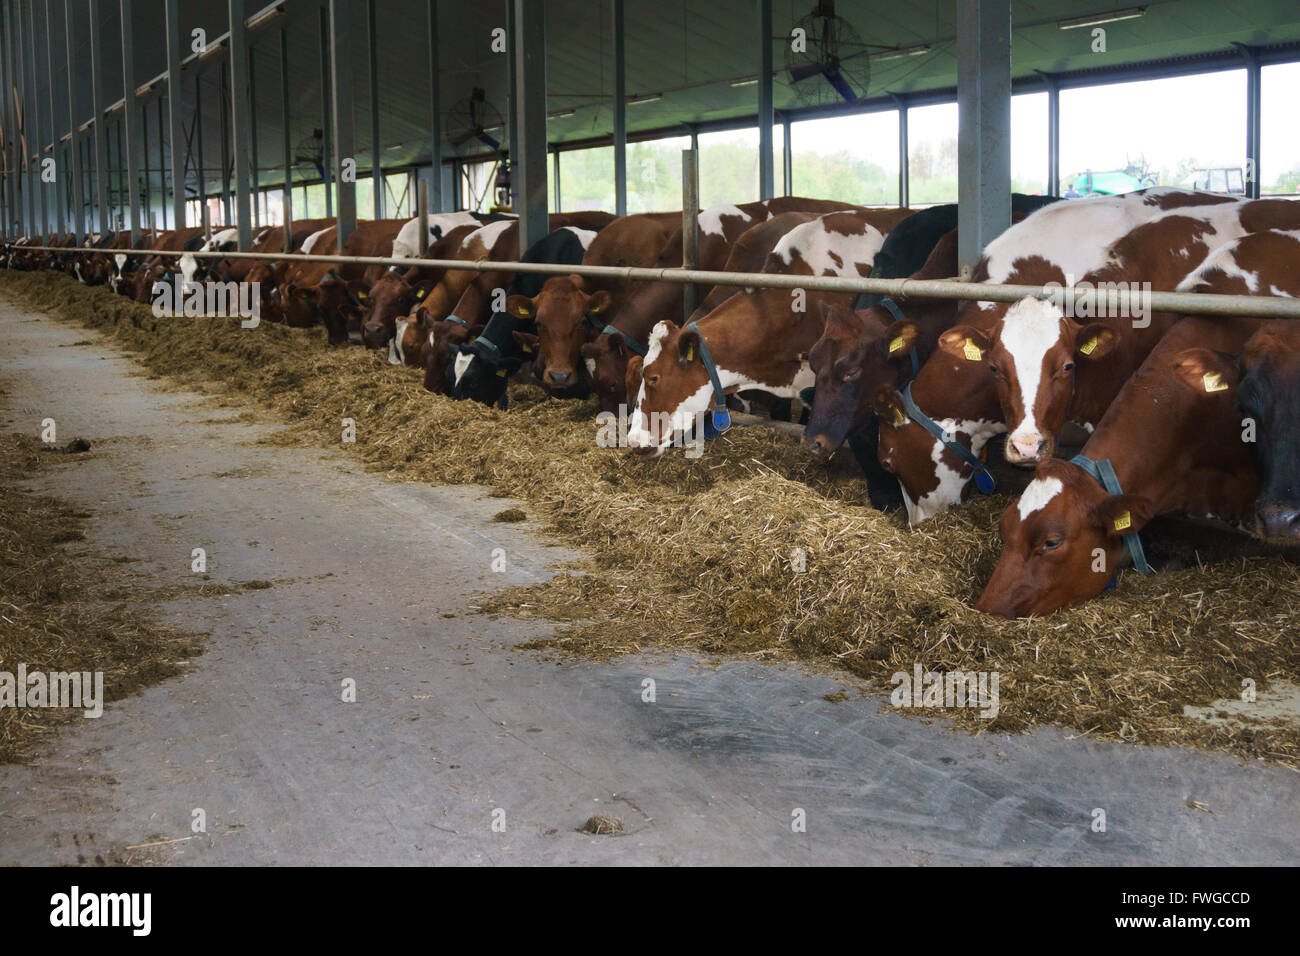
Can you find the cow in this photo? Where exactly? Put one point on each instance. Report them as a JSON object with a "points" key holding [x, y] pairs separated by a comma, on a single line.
{"points": [[161, 268], [1068, 239], [1048, 367], [482, 367], [266, 275], [406, 245], [435, 330], [397, 291], [1266, 263], [119, 266], [637, 308], [92, 268], [1171, 442], [753, 340], [327, 292], [606, 354]]}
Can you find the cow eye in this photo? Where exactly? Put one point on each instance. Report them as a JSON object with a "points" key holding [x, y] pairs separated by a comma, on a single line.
{"points": [[852, 375], [888, 465], [652, 380], [994, 370], [1052, 543], [1067, 367]]}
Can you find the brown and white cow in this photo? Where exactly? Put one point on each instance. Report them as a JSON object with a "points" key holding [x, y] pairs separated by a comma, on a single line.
{"points": [[268, 274], [1266, 263], [398, 290], [757, 339], [159, 268], [1050, 367], [606, 354], [327, 291], [1175, 441]]}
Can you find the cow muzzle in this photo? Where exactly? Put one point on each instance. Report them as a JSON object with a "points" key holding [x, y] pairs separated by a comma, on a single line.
{"points": [[819, 445], [1026, 451], [1278, 524]]}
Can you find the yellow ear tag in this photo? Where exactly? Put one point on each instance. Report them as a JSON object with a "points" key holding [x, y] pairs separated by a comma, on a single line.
{"points": [[363, 296], [899, 416], [501, 372], [895, 345], [1124, 522], [1214, 382], [972, 351], [526, 347], [1089, 347], [524, 310], [690, 353], [419, 293]]}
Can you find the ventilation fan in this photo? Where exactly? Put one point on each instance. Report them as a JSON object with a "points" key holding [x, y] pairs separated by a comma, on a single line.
{"points": [[312, 150], [832, 64], [472, 121]]}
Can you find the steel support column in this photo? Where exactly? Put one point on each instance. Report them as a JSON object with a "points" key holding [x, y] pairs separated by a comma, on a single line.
{"points": [[254, 160], [436, 198], [376, 150], [344, 132], [327, 138], [787, 159], [240, 129], [76, 219], [620, 109], [555, 166], [60, 201], [529, 151], [174, 57], [286, 199], [38, 130], [1053, 87], [690, 221], [129, 117], [223, 101], [766, 174], [13, 216], [199, 169], [904, 147], [1251, 55], [984, 125], [100, 129]]}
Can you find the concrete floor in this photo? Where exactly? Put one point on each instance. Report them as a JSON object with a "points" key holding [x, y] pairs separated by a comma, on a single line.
{"points": [[373, 581]]}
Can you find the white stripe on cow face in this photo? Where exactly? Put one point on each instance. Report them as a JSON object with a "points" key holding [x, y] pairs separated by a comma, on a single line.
{"points": [[1030, 328], [1037, 494], [461, 366], [189, 265], [395, 354]]}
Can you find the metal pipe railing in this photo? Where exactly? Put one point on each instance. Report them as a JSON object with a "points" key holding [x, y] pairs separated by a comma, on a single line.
{"points": [[1136, 301]]}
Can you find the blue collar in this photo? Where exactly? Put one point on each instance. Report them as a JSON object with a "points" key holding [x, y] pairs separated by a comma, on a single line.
{"points": [[721, 417], [983, 479], [630, 342], [1104, 472], [458, 320]]}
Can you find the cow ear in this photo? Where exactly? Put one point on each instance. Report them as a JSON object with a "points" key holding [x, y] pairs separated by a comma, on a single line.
{"points": [[520, 306], [598, 302], [424, 317], [330, 278], [632, 377], [965, 342], [1119, 515], [588, 350], [899, 340], [889, 408], [359, 291], [577, 281], [1095, 341], [1205, 370], [688, 346], [527, 341]]}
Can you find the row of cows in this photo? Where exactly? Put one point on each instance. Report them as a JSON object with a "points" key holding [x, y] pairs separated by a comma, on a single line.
{"points": [[1182, 414]]}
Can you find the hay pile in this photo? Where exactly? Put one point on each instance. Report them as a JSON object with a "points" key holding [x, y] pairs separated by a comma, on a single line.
{"points": [[698, 554], [54, 613]]}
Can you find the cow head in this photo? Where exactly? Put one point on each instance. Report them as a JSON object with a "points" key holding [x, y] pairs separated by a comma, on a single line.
{"points": [[959, 397], [382, 303], [606, 358], [1061, 542], [437, 349], [481, 372], [1269, 396], [1033, 351], [673, 386], [857, 355], [559, 311]]}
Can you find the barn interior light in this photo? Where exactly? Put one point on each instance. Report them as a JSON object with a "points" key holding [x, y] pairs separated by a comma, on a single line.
{"points": [[265, 15], [647, 98], [144, 89], [560, 113], [901, 51], [1105, 16], [745, 81], [213, 48]]}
